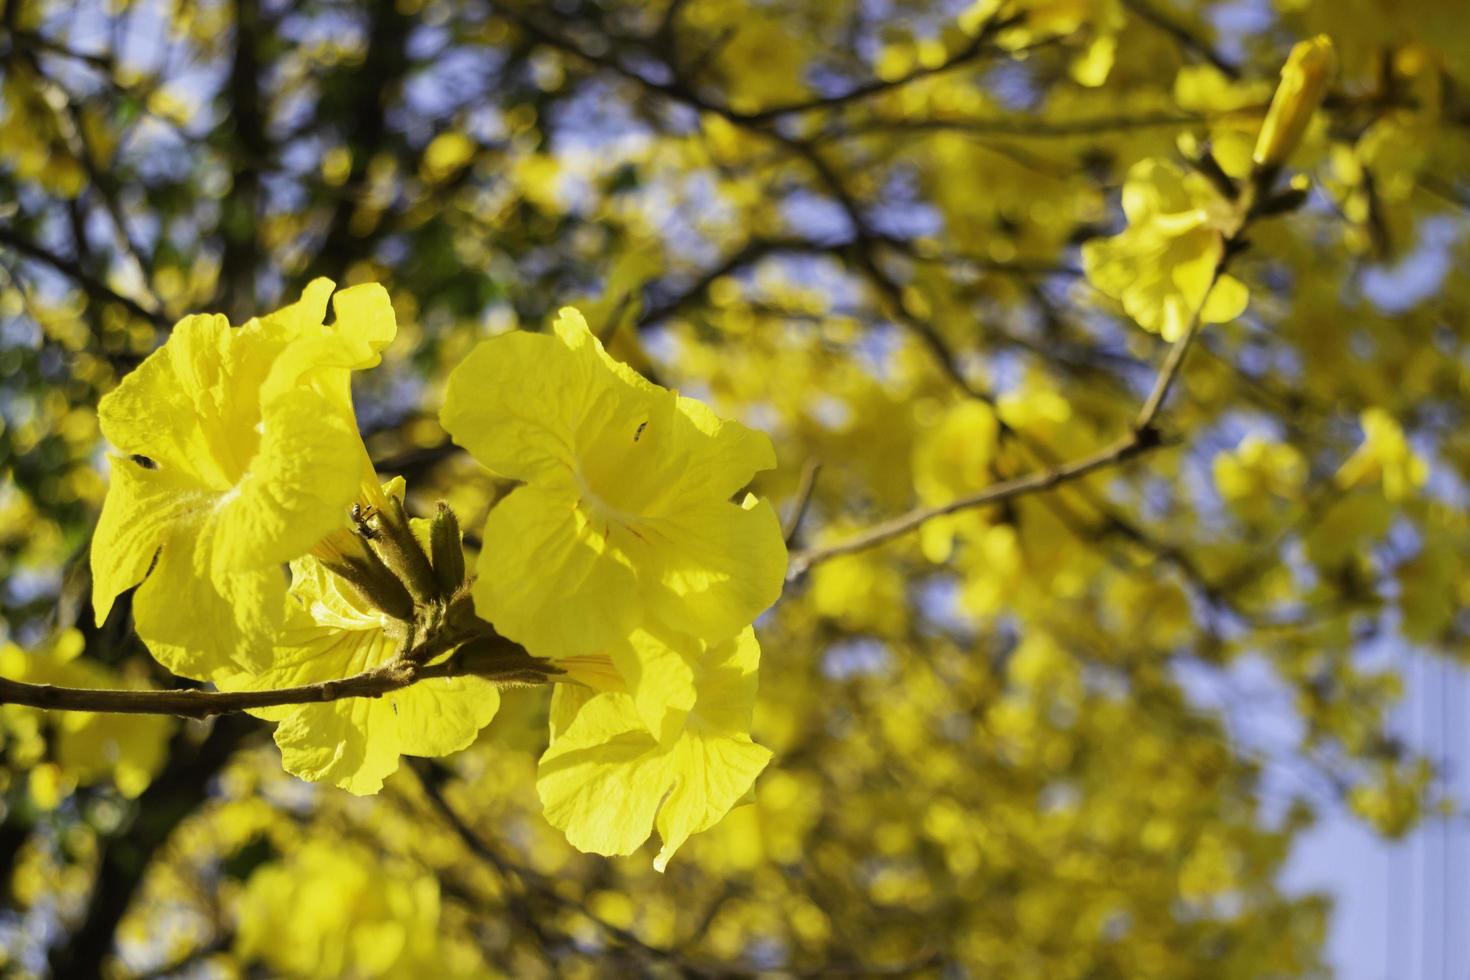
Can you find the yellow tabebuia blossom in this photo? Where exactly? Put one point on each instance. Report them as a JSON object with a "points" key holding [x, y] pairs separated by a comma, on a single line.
{"points": [[1162, 266], [607, 782], [1259, 477], [331, 632], [1032, 22], [335, 910], [87, 747], [1386, 457], [625, 517], [1304, 80], [238, 452]]}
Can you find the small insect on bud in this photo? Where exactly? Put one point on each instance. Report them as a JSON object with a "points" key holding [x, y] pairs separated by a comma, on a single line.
{"points": [[1304, 81], [446, 552]]}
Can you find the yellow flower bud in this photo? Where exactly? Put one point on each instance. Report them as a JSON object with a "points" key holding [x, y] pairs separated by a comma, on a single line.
{"points": [[1304, 80]]}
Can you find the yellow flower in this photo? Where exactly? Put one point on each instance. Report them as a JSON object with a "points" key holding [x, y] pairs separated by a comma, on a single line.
{"points": [[238, 452], [1304, 80], [1385, 457], [331, 632], [332, 909], [1162, 266], [625, 517], [1095, 23], [1258, 477], [88, 747], [606, 781]]}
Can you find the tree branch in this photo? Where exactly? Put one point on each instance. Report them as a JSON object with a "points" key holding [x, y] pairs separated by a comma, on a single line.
{"points": [[805, 488], [1141, 438], [680, 91], [88, 283], [432, 774], [969, 52], [1185, 37], [505, 661]]}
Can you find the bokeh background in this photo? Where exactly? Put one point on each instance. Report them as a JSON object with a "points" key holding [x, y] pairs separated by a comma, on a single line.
{"points": [[1200, 714]]}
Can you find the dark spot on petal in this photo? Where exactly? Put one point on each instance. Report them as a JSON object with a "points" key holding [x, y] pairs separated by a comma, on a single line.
{"points": [[639, 434], [143, 461]]}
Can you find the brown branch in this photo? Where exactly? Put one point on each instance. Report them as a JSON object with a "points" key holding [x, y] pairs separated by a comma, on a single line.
{"points": [[1141, 438], [1133, 444], [753, 251], [1031, 127], [680, 91], [1186, 38], [432, 774], [504, 661], [805, 488], [969, 52], [88, 283]]}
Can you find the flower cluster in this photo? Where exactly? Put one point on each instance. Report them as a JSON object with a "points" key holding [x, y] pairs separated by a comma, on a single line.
{"points": [[628, 565], [623, 558]]}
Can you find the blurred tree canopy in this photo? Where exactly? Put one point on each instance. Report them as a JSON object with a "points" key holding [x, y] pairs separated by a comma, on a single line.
{"points": [[1069, 726]]}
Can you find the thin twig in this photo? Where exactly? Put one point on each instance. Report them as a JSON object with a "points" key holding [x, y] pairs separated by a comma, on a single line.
{"points": [[680, 91], [1141, 438], [431, 774], [805, 487], [89, 283], [969, 52], [1131, 445], [1185, 37], [1028, 127]]}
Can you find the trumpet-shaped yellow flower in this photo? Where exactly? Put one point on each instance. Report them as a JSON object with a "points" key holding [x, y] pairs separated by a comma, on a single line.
{"points": [[606, 782], [625, 516], [1304, 80], [238, 452], [1162, 266], [331, 632]]}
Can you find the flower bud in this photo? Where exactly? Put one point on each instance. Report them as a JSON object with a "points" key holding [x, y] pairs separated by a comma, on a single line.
{"points": [[1304, 80], [446, 552], [394, 542], [374, 582]]}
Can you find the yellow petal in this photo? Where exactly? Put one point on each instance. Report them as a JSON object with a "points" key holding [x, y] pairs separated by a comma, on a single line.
{"points": [[1227, 301], [626, 509], [522, 404], [298, 488], [713, 566], [196, 624], [606, 779], [601, 782], [141, 508], [659, 676], [355, 743], [175, 407]]}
